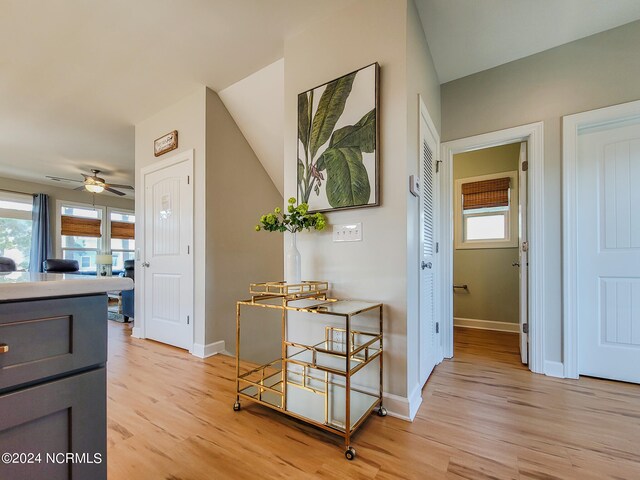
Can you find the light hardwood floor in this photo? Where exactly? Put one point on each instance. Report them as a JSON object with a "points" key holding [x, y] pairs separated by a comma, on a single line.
{"points": [[484, 416]]}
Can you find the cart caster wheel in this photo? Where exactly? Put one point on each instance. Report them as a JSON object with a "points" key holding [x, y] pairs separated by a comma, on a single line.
{"points": [[350, 453], [236, 406], [382, 412]]}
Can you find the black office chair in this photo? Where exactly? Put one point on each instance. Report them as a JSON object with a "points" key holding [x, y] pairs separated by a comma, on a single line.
{"points": [[128, 296], [7, 265], [58, 265]]}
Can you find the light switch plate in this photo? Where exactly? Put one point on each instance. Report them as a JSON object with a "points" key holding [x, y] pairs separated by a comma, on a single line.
{"points": [[351, 232], [414, 186]]}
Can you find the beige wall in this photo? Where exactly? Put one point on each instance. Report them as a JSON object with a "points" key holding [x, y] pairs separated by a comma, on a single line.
{"points": [[383, 31], [230, 190], [363, 33], [66, 194], [239, 191], [590, 73], [188, 117], [422, 81], [493, 283]]}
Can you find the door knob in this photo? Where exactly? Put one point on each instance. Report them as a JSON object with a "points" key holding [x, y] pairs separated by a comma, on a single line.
{"points": [[424, 265], [515, 264], [146, 264]]}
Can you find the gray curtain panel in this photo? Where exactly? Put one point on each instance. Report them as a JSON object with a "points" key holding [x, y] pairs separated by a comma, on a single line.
{"points": [[40, 233]]}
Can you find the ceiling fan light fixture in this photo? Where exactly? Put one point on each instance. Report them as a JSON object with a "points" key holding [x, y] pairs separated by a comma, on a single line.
{"points": [[94, 188]]}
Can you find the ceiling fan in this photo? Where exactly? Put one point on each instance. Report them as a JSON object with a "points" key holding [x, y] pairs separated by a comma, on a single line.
{"points": [[94, 183]]}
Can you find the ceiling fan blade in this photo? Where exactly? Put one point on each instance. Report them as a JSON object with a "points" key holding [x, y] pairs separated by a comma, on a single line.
{"points": [[107, 189], [80, 188], [62, 179], [117, 185]]}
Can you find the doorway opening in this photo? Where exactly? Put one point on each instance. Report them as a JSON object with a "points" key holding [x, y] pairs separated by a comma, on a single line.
{"points": [[531, 136], [490, 297]]}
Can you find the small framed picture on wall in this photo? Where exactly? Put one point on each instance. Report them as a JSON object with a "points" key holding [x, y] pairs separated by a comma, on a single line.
{"points": [[165, 143]]}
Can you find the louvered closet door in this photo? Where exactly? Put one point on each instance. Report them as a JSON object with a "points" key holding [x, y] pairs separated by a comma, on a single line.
{"points": [[428, 335]]}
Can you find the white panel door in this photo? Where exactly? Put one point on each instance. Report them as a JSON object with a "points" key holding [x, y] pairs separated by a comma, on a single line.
{"points": [[608, 267], [523, 252], [429, 338], [168, 283]]}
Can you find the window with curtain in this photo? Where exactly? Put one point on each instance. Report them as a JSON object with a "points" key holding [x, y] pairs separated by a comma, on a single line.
{"points": [[15, 227], [81, 232], [122, 237], [487, 211]]}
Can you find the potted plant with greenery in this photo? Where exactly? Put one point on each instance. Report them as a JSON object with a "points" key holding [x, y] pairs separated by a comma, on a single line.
{"points": [[296, 219]]}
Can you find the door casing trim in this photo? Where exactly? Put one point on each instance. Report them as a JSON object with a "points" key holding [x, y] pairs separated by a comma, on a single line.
{"points": [[533, 134]]}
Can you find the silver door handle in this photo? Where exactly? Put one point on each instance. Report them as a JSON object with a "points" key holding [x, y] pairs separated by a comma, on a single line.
{"points": [[424, 265], [515, 264], [146, 264]]}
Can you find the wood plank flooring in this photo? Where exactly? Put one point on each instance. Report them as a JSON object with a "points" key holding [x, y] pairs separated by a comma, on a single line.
{"points": [[484, 416]]}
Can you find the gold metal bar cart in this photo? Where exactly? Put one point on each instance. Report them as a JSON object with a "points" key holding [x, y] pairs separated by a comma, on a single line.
{"points": [[312, 381]]}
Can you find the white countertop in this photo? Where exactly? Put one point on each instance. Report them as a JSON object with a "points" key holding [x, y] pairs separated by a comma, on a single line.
{"points": [[21, 285]]}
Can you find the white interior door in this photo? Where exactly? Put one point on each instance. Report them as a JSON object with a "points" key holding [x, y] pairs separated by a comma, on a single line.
{"points": [[523, 249], [608, 252], [429, 331], [168, 276]]}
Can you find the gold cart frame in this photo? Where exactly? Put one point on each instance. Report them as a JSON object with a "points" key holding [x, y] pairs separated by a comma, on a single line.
{"points": [[358, 349]]}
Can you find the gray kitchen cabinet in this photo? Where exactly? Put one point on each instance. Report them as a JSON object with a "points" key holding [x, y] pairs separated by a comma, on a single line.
{"points": [[53, 388]]}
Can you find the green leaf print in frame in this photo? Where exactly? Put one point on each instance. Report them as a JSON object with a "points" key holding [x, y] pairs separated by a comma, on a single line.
{"points": [[337, 164]]}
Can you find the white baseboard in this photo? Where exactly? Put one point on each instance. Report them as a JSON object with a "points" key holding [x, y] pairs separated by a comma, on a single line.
{"points": [[136, 332], [415, 400], [554, 369], [396, 406], [402, 407], [486, 325], [204, 351]]}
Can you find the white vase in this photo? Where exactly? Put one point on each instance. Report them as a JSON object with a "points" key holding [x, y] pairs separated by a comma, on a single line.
{"points": [[293, 262]]}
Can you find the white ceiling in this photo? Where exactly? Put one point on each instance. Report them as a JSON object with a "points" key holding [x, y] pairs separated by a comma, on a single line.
{"points": [[76, 75], [468, 36]]}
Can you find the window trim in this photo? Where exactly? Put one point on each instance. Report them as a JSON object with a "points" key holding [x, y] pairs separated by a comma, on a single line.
{"points": [[502, 213], [104, 242], [107, 224], [25, 215], [102, 212], [15, 214], [511, 218], [18, 198]]}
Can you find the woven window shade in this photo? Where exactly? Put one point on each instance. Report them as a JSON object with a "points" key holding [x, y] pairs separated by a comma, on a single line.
{"points": [[81, 227], [124, 230], [485, 194]]}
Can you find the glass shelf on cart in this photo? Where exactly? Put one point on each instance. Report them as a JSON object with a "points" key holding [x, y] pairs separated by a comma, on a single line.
{"points": [[336, 307], [331, 362]]}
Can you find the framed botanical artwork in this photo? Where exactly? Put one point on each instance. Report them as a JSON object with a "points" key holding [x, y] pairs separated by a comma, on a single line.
{"points": [[337, 143]]}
